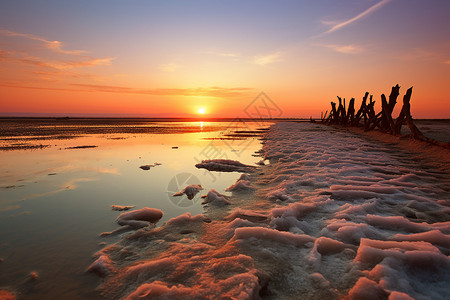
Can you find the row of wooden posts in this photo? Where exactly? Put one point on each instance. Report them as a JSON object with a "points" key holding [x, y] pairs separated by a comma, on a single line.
{"points": [[369, 119]]}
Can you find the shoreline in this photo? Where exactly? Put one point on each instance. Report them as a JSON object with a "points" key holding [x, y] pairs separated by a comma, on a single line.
{"points": [[331, 214]]}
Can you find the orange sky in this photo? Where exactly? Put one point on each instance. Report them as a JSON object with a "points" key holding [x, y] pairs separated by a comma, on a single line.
{"points": [[154, 58]]}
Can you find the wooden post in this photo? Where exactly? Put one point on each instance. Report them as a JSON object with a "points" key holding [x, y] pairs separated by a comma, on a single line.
{"points": [[372, 118], [375, 120], [351, 111], [333, 113], [324, 116], [360, 112], [366, 112], [387, 122], [345, 110], [383, 119], [393, 97], [415, 132], [341, 111]]}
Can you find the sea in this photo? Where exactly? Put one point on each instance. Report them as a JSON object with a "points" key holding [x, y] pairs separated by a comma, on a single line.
{"points": [[60, 177]]}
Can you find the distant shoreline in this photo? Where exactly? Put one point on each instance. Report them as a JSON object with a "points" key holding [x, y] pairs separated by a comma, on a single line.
{"points": [[180, 119]]}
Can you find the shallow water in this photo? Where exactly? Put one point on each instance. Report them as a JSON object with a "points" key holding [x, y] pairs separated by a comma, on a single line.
{"points": [[55, 201]]}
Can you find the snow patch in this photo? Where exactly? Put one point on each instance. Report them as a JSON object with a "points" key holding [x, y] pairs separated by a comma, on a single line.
{"points": [[140, 218], [102, 266], [272, 235], [216, 198], [225, 165], [122, 208], [190, 191]]}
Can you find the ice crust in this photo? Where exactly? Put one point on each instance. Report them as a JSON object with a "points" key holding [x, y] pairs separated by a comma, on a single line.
{"points": [[190, 191], [215, 198], [140, 217], [122, 207], [331, 215], [135, 219], [225, 165]]}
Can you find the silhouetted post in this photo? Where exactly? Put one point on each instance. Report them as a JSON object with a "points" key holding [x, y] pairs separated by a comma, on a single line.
{"points": [[372, 118], [360, 112], [415, 132], [387, 123], [324, 116], [351, 111], [400, 120], [376, 120], [383, 119], [344, 110], [341, 111], [333, 113], [393, 97], [366, 112]]}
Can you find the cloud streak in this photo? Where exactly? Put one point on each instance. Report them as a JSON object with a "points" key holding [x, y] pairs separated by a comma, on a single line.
{"points": [[365, 13], [52, 45], [203, 91], [79, 59], [51, 65], [345, 49], [222, 53], [214, 91], [263, 60], [170, 67], [11, 56]]}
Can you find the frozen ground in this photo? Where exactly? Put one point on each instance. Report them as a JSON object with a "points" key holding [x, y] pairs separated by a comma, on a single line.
{"points": [[332, 214]]}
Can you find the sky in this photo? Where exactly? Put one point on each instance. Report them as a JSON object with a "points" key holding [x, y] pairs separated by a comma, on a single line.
{"points": [[174, 58]]}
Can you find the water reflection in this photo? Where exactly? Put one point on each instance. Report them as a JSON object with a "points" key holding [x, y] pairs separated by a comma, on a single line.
{"points": [[55, 202]]}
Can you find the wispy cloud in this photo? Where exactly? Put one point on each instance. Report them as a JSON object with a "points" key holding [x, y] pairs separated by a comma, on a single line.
{"points": [[365, 13], [55, 62], [3, 55], [223, 53], [51, 70], [263, 60], [203, 91], [90, 62], [24, 86], [228, 54], [170, 67], [346, 49], [56, 46], [214, 91], [436, 56], [61, 65]]}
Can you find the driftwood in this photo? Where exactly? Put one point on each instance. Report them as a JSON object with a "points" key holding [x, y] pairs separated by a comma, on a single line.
{"points": [[361, 111], [351, 111], [415, 132], [370, 120]]}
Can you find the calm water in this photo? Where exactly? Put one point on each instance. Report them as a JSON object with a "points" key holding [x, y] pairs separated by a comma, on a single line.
{"points": [[55, 201]]}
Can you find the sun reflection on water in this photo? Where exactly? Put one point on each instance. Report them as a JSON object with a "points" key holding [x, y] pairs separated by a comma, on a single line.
{"points": [[58, 200]]}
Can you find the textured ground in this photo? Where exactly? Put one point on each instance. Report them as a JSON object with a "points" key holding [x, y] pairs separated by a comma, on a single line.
{"points": [[332, 214]]}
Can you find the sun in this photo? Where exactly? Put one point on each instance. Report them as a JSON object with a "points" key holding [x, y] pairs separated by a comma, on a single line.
{"points": [[201, 110]]}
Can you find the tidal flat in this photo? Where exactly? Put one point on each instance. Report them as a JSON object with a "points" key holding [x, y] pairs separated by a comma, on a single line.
{"points": [[311, 211]]}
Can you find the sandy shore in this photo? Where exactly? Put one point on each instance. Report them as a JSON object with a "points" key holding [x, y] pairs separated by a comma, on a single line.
{"points": [[332, 214]]}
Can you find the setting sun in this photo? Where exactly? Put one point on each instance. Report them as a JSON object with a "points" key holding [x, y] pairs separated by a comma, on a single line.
{"points": [[201, 110]]}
